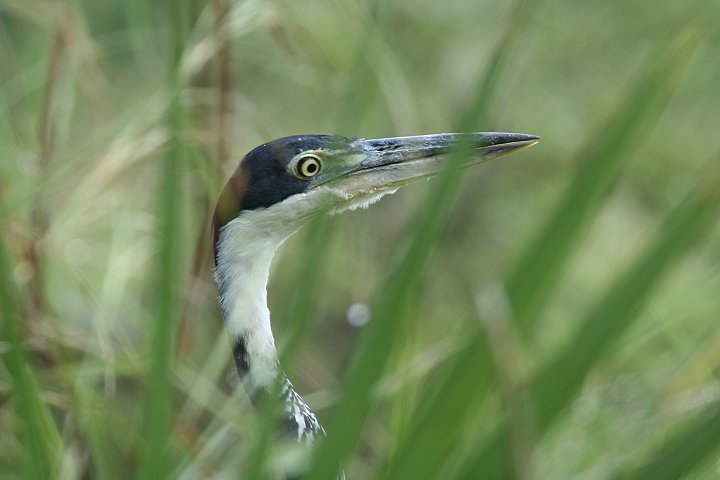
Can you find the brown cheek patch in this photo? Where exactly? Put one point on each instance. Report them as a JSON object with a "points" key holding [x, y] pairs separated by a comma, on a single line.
{"points": [[229, 203], [282, 152]]}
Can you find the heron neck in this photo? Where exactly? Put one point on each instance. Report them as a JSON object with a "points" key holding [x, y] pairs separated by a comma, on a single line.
{"points": [[245, 249], [244, 256]]}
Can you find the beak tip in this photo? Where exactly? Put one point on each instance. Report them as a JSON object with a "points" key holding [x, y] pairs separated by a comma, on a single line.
{"points": [[506, 143], [518, 138]]}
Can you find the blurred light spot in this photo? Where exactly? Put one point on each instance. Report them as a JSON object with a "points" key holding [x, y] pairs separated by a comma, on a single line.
{"points": [[77, 252], [358, 314], [28, 163], [23, 272]]}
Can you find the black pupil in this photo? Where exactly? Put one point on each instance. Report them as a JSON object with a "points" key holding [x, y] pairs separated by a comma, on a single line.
{"points": [[310, 167]]}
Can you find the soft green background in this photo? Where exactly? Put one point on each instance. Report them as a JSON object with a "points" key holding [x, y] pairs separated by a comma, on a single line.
{"points": [[112, 340]]}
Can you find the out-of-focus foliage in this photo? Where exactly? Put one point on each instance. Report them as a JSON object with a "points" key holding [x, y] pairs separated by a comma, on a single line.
{"points": [[550, 315]]}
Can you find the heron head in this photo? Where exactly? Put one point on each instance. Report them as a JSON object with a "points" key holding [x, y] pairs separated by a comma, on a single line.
{"points": [[288, 180]]}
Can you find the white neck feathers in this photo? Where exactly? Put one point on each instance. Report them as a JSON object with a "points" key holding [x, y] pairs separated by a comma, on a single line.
{"points": [[244, 256], [245, 250]]}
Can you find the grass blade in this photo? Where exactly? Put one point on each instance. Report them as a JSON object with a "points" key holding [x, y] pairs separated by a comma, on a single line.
{"points": [[159, 403], [557, 383], [40, 438], [321, 230], [540, 268], [139, 20], [685, 451], [319, 234], [159, 397], [440, 419], [377, 344], [621, 305]]}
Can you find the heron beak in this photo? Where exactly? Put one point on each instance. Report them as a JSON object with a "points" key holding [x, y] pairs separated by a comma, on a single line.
{"points": [[386, 164]]}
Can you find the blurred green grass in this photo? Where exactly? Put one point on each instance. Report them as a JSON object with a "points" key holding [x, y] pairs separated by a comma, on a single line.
{"points": [[597, 358]]}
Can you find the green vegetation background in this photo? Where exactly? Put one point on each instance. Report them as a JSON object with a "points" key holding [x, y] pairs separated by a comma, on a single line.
{"points": [[550, 315]]}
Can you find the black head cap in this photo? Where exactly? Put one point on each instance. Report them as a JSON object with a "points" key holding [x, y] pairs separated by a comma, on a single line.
{"points": [[262, 179]]}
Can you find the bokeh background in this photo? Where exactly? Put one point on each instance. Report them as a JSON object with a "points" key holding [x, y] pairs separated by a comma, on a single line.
{"points": [[510, 359]]}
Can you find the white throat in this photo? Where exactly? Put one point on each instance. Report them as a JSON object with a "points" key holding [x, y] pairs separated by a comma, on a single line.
{"points": [[242, 271], [245, 250]]}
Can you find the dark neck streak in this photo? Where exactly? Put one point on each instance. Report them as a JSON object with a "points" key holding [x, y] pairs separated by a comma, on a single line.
{"points": [[241, 359]]}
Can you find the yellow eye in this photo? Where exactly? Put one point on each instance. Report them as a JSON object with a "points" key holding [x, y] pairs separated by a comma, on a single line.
{"points": [[308, 166]]}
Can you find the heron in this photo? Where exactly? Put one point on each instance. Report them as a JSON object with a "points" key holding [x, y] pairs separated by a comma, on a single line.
{"points": [[276, 189]]}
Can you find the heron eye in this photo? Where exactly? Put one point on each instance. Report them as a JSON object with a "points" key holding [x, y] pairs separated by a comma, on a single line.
{"points": [[308, 166]]}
